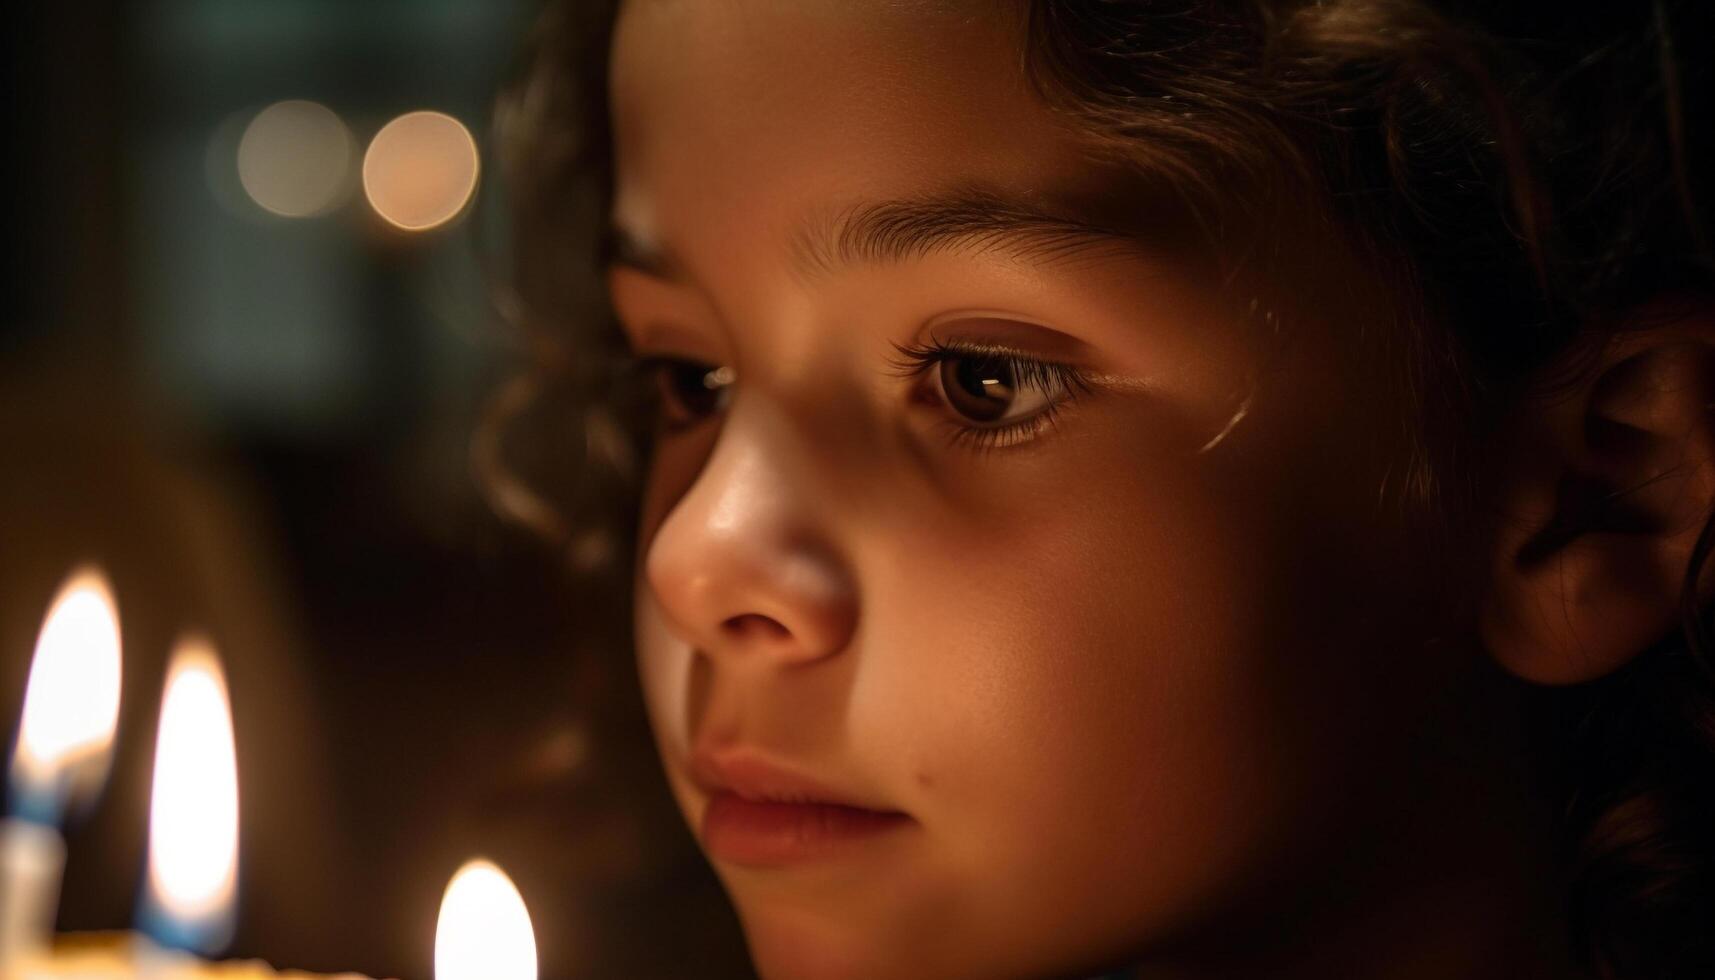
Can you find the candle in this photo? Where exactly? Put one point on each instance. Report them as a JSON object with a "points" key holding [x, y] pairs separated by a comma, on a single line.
{"points": [[192, 888], [71, 708], [127, 956], [65, 740], [483, 932]]}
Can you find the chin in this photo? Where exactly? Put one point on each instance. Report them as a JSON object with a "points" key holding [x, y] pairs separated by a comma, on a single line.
{"points": [[798, 948], [803, 950], [787, 942]]}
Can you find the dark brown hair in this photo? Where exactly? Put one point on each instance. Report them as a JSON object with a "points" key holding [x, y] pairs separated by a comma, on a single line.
{"points": [[1516, 174]]}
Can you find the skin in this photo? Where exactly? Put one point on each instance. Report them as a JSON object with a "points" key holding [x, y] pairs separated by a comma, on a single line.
{"points": [[1146, 700]]}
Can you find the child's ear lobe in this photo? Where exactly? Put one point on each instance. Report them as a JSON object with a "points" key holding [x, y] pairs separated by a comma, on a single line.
{"points": [[1606, 484]]}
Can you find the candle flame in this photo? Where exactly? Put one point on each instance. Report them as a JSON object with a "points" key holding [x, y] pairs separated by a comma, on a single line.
{"points": [[484, 930], [71, 700], [193, 815]]}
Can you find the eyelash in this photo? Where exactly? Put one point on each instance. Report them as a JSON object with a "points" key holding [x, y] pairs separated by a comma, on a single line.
{"points": [[915, 361]]}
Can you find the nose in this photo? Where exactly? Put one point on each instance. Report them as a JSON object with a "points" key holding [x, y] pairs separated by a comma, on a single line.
{"points": [[745, 564]]}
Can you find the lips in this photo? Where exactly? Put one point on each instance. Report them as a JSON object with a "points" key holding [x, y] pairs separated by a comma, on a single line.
{"points": [[749, 776], [760, 813]]}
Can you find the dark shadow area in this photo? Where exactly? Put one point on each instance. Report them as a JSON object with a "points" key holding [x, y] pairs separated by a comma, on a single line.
{"points": [[259, 425]]}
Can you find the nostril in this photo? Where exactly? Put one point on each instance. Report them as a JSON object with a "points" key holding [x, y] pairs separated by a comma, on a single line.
{"points": [[754, 626]]}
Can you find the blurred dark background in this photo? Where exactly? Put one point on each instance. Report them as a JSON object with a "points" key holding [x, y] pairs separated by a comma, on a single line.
{"points": [[252, 400]]}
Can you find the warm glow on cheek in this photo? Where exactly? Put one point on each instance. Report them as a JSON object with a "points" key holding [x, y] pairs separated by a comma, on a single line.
{"points": [[1081, 618]]}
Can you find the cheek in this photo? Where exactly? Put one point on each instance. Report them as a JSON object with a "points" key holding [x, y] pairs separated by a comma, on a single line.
{"points": [[1092, 700]]}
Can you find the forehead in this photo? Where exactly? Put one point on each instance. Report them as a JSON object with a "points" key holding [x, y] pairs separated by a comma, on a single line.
{"points": [[750, 119]]}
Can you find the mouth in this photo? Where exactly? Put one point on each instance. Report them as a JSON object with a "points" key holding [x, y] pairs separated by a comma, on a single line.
{"points": [[762, 814]]}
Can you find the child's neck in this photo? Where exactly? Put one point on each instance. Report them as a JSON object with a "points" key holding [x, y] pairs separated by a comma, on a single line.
{"points": [[1452, 878]]}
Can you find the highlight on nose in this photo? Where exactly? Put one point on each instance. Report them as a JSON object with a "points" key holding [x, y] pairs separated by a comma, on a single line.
{"points": [[773, 599]]}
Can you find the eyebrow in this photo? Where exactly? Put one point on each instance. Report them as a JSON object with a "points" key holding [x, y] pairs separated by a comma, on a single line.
{"points": [[1049, 228]]}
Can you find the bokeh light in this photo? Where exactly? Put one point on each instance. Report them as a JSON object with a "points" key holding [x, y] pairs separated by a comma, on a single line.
{"points": [[295, 158], [420, 170]]}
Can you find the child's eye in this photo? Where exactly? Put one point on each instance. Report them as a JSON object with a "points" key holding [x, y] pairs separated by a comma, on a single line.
{"points": [[689, 391], [1001, 397]]}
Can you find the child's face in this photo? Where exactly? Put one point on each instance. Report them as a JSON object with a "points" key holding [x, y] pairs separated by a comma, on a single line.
{"points": [[1111, 680]]}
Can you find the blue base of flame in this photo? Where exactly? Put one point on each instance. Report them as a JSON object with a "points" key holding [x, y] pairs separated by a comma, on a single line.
{"points": [[206, 936], [36, 808]]}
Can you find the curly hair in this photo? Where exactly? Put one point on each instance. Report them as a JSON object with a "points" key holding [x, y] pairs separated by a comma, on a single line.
{"points": [[1514, 173]]}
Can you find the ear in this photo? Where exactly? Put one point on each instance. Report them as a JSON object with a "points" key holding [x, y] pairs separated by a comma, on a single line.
{"points": [[1606, 477]]}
